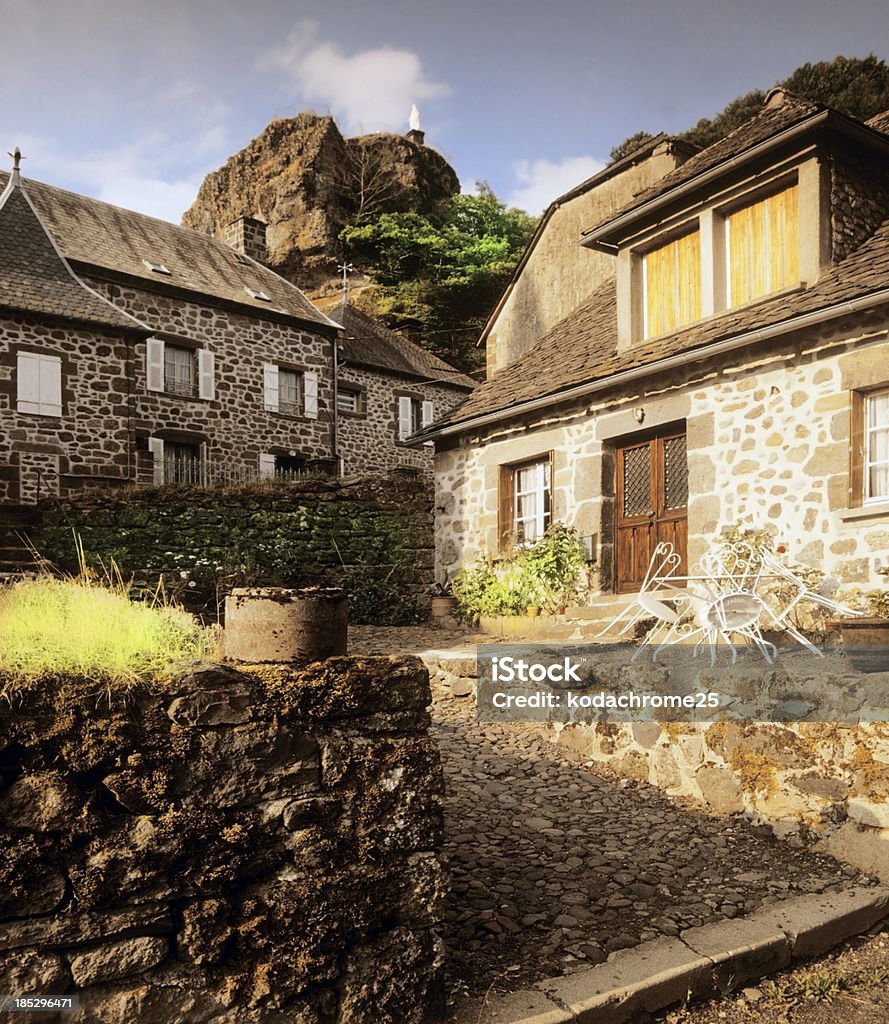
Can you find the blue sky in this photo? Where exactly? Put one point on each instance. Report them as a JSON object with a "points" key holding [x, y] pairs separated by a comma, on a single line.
{"points": [[135, 101]]}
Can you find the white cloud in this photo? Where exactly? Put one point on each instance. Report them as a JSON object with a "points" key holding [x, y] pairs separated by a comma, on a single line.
{"points": [[542, 181], [365, 91]]}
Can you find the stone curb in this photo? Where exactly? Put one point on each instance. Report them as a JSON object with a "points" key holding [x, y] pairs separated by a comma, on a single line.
{"points": [[699, 963]]}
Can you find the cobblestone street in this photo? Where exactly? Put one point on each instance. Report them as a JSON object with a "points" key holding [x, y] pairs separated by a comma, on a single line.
{"points": [[555, 863]]}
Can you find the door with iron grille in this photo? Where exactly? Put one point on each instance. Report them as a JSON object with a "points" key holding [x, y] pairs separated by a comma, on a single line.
{"points": [[651, 498]]}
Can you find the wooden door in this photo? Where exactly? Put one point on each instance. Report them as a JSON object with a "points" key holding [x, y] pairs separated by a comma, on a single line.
{"points": [[651, 499]]}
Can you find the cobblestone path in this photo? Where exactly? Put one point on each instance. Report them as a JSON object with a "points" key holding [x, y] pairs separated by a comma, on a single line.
{"points": [[556, 863]]}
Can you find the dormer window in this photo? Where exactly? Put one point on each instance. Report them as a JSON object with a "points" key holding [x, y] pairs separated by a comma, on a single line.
{"points": [[671, 282], [762, 247]]}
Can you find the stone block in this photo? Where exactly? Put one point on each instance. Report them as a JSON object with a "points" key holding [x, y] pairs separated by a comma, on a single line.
{"points": [[33, 972], [818, 922], [720, 789], [117, 960], [73, 929], [741, 950], [526, 1007], [866, 812], [631, 982], [40, 802], [218, 696]]}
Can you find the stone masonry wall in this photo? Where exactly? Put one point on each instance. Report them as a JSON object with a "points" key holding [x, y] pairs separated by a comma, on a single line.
{"points": [[225, 847], [832, 779], [371, 535], [91, 440], [559, 273], [859, 198], [236, 425], [368, 441], [768, 445]]}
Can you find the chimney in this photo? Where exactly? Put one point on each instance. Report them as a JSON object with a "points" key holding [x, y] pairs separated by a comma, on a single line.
{"points": [[247, 235]]}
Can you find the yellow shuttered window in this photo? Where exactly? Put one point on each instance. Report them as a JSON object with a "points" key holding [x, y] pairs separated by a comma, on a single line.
{"points": [[763, 247], [672, 280]]}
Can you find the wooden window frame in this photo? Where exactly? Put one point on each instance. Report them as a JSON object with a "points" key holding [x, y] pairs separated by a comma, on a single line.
{"points": [[506, 497], [859, 453]]}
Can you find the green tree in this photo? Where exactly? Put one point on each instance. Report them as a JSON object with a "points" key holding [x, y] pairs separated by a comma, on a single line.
{"points": [[858, 86], [629, 144], [445, 270]]}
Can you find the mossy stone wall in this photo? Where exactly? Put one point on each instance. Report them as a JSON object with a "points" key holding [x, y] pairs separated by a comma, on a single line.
{"points": [[371, 536], [248, 847]]}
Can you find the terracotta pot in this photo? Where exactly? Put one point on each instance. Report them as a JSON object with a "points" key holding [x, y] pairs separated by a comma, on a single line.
{"points": [[866, 642], [441, 606]]}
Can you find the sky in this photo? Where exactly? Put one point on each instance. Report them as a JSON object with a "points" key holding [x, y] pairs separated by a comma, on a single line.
{"points": [[134, 101]]}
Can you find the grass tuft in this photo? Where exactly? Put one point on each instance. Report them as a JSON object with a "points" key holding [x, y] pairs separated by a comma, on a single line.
{"points": [[88, 626]]}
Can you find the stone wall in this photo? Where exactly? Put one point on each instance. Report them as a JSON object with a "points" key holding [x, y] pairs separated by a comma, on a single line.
{"points": [[368, 440], [859, 198], [830, 778], [235, 425], [371, 535], [224, 847], [559, 274], [90, 441], [768, 445]]}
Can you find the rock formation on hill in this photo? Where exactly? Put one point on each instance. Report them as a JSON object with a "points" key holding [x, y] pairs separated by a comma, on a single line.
{"points": [[306, 182]]}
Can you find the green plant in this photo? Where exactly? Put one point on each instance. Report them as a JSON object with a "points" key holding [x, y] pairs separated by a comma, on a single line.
{"points": [[544, 574], [88, 626]]}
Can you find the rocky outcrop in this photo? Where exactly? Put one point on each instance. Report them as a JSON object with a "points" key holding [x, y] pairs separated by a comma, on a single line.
{"points": [[306, 182]]}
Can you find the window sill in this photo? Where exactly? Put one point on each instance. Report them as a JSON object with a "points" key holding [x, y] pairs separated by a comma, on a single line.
{"points": [[876, 510]]}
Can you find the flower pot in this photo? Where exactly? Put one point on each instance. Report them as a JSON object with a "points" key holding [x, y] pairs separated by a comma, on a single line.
{"points": [[441, 606], [866, 642]]}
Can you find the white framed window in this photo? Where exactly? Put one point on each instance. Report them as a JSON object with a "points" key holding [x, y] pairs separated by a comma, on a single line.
{"points": [[413, 415], [290, 392], [177, 370], [39, 384], [525, 501], [876, 447]]}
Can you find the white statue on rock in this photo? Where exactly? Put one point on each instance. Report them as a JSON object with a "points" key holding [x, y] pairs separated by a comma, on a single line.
{"points": [[414, 121]]}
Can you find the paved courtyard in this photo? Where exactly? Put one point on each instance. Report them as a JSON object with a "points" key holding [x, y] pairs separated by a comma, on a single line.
{"points": [[555, 863]]}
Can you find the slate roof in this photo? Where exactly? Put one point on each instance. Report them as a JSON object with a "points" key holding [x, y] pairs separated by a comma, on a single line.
{"points": [[97, 235], [35, 277], [774, 118], [366, 342], [879, 122], [582, 348]]}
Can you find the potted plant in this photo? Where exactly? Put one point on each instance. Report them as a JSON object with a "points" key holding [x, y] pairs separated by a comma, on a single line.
{"points": [[443, 600], [866, 637]]}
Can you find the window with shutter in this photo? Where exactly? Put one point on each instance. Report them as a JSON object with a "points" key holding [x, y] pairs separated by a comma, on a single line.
{"points": [[39, 384], [762, 247], [869, 476]]}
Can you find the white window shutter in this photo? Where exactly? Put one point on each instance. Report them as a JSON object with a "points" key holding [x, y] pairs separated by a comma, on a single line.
{"points": [[428, 414], [266, 466], [206, 383], [51, 385], [404, 417], [310, 397], [270, 387], [156, 447], [154, 364], [28, 382]]}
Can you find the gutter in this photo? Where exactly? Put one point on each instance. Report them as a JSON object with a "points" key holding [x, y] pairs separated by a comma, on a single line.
{"points": [[594, 239], [683, 358]]}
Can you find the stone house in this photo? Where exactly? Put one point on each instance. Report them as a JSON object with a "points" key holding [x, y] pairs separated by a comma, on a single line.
{"points": [[727, 364], [134, 350], [388, 388]]}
